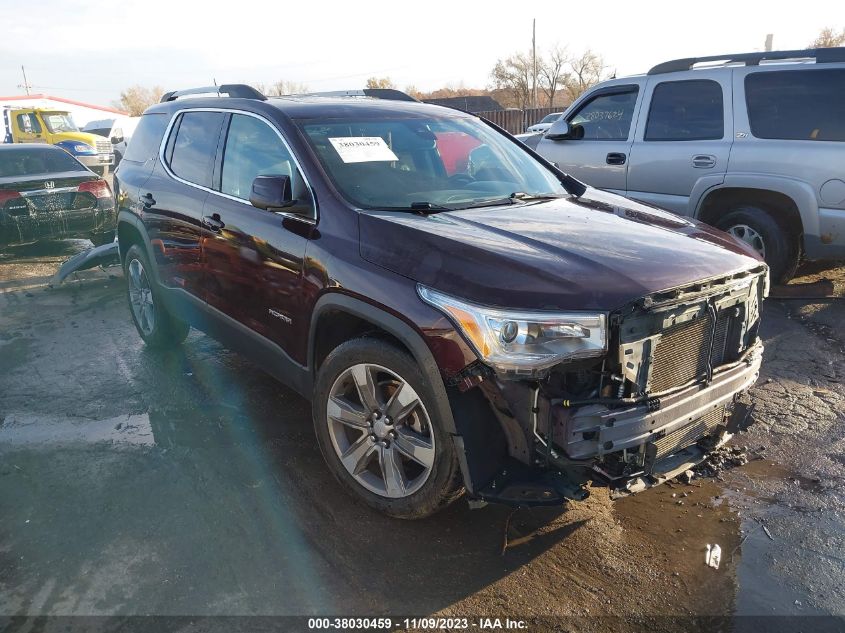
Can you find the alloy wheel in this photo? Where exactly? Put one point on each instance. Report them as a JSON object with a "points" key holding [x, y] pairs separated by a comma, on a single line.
{"points": [[380, 430], [141, 297], [750, 237]]}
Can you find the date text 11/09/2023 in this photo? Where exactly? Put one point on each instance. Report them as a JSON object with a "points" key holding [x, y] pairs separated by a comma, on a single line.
{"points": [[430, 623]]}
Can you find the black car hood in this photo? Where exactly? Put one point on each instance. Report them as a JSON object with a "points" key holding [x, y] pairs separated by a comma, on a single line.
{"points": [[598, 251]]}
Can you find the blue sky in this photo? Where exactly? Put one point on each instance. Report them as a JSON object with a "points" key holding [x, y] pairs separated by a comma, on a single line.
{"points": [[89, 50]]}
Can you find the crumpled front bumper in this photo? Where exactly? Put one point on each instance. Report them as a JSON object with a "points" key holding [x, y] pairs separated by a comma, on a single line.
{"points": [[595, 430]]}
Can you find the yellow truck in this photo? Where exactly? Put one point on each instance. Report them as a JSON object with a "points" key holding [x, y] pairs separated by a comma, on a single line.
{"points": [[56, 127]]}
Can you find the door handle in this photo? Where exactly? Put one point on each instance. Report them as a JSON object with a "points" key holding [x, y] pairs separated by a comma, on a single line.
{"points": [[213, 222], [148, 200], [616, 158], [703, 161]]}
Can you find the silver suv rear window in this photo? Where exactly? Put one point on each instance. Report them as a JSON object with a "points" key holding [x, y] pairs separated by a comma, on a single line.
{"points": [[797, 105]]}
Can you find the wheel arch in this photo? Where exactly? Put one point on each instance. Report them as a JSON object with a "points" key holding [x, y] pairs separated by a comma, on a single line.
{"points": [[363, 318], [792, 203], [131, 230]]}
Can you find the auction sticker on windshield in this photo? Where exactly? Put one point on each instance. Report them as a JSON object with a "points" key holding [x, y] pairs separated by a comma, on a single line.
{"points": [[362, 149]]}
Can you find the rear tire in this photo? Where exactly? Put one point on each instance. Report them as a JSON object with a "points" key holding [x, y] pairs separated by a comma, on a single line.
{"points": [[155, 324], [390, 451], [758, 227]]}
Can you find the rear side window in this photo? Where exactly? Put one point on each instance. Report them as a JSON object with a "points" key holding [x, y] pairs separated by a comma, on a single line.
{"points": [[147, 138], [194, 146], [795, 105], [686, 111]]}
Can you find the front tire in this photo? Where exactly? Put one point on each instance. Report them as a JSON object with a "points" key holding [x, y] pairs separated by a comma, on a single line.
{"points": [[758, 228], [374, 417], [155, 324]]}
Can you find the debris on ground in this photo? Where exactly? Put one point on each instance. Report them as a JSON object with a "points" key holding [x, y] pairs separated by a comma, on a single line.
{"points": [[769, 534], [713, 556], [821, 289], [723, 458]]}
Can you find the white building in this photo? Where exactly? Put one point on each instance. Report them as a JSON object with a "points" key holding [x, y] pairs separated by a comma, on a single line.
{"points": [[82, 112]]}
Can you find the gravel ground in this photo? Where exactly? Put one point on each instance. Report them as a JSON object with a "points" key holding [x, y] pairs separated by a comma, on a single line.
{"points": [[189, 483]]}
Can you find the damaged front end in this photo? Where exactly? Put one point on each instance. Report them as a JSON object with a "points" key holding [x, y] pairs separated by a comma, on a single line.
{"points": [[661, 395]]}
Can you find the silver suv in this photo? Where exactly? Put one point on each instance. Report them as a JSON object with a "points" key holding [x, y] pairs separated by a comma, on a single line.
{"points": [[751, 143]]}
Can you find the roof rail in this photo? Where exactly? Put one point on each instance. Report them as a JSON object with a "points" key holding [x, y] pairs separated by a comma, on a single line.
{"points": [[241, 91], [376, 93], [821, 55]]}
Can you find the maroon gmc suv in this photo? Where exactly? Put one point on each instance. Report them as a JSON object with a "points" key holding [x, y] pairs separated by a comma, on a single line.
{"points": [[462, 315]]}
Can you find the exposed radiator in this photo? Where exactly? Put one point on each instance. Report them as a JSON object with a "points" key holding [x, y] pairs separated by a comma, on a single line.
{"points": [[687, 435], [681, 354]]}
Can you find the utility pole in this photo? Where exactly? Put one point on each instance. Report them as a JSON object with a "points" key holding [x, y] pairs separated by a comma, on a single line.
{"points": [[534, 60], [25, 85]]}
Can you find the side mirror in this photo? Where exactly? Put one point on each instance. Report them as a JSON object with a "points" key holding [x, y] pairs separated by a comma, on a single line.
{"points": [[117, 138], [559, 131], [271, 192]]}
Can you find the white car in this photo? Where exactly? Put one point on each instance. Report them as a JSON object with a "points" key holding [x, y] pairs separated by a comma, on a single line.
{"points": [[545, 123], [118, 130]]}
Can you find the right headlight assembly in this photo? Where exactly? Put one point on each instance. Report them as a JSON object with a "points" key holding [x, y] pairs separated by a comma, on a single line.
{"points": [[519, 341]]}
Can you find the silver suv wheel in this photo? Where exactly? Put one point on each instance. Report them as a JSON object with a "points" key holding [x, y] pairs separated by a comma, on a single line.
{"points": [[749, 236], [380, 430]]}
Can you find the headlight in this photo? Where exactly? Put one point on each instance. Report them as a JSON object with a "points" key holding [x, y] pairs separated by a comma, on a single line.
{"points": [[82, 148], [523, 342]]}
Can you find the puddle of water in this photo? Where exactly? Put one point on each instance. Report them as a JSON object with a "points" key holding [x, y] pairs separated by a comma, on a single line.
{"points": [[13, 353], [211, 426], [769, 470], [25, 429], [773, 529]]}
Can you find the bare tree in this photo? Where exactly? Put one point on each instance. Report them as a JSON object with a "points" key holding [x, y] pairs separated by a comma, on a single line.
{"points": [[136, 99], [448, 91], [552, 76], [587, 70], [283, 87], [380, 82], [513, 76], [279, 88], [828, 38]]}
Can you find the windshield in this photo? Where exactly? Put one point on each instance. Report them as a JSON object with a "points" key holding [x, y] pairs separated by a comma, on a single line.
{"points": [[444, 162], [551, 118], [59, 122]]}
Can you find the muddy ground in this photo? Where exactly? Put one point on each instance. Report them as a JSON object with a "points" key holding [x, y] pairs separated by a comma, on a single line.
{"points": [[189, 483]]}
